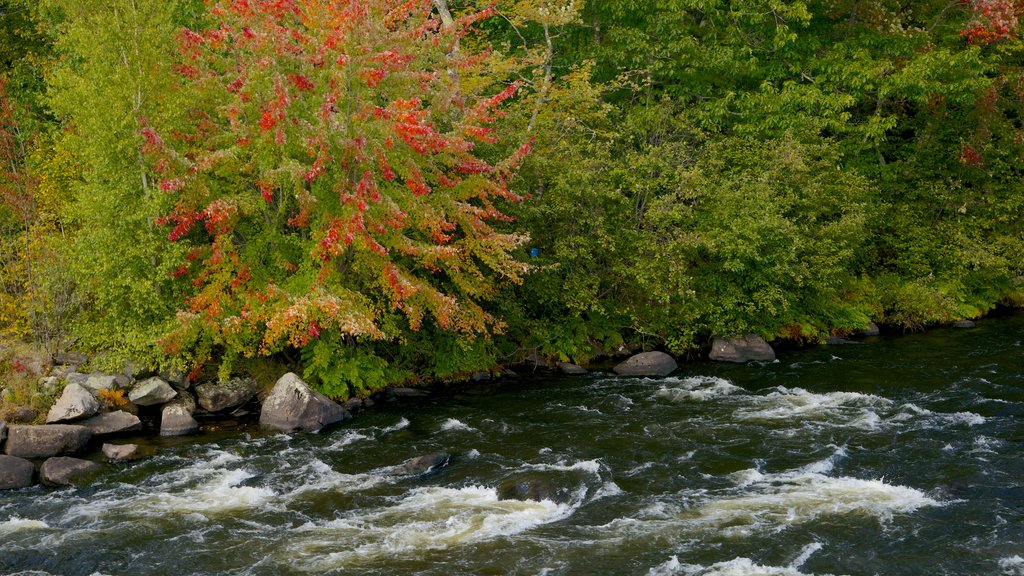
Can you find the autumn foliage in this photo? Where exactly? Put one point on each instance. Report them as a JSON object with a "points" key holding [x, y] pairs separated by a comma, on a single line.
{"points": [[330, 178]]}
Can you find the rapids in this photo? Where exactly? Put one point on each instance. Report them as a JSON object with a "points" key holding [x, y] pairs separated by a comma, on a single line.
{"points": [[895, 456]]}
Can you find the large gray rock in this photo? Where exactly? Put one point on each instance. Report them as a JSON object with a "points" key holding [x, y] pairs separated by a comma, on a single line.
{"points": [[152, 392], [22, 415], [962, 324], [176, 420], [64, 471], [3, 433], [112, 423], [871, 330], [572, 369], [46, 441], [527, 489], [426, 463], [745, 349], [292, 405], [15, 472], [99, 381], [120, 452], [75, 402], [218, 396], [647, 364]]}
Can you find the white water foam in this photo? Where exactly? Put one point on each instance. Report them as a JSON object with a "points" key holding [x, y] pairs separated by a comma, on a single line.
{"points": [[736, 567], [453, 424], [16, 524], [799, 404], [696, 389], [591, 466], [1012, 565], [400, 425]]}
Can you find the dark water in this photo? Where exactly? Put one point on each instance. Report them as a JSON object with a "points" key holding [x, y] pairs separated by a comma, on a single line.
{"points": [[895, 456]]}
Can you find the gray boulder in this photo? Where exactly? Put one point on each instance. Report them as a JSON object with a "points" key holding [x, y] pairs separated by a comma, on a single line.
{"points": [[46, 441], [152, 392], [292, 405], [22, 415], [76, 378], [647, 364], [3, 432], [176, 420], [74, 403], [745, 349], [99, 381], [120, 452], [963, 324], [424, 464], [49, 384], [219, 396], [407, 393], [572, 369], [527, 489], [112, 423], [64, 471], [15, 472], [871, 330]]}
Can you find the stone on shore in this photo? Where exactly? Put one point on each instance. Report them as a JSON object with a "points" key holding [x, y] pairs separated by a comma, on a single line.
{"points": [[113, 423], [120, 452], [571, 369], [292, 405], [871, 330], [22, 415], [99, 381], [748, 348], [46, 441], [64, 471], [152, 392], [15, 472], [964, 324], [3, 433], [647, 364], [220, 396], [75, 402], [177, 420]]}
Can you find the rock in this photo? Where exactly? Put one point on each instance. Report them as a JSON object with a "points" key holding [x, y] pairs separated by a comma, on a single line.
{"points": [[838, 341], [527, 489], [292, 405], [871, 330], [120, 452], [424, 464], [49, 384], [368, 403], [64, 471], [76, 378], [3, 433], [15, 472], [152, 392], [46, 441], [99, 381], [176, 420], [407, 393], [353, 403], [70, 358], [186, 400], [174, 377], [480, 377], [218, 396], [75, 402], [745, 349], [647, 364], [22, 415], [964, 324], [572, 369], [112, 423]]}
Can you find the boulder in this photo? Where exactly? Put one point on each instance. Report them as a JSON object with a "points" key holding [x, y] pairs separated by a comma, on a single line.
{"points": [[64, 471], [963, 324], [22, 415], [572, 369], [219, 396], [3, 433], [424, 464], [76, 378], [745, 349], [407, 393], [152, 392], [99, 381], [871, 330], [292, 405], [839, 341], [15, 472], [120, 452], [647, 364], [74, 403], [46, 441], [176, 420], [113, 423], [49, 384], [527, 489], [70, 358]]}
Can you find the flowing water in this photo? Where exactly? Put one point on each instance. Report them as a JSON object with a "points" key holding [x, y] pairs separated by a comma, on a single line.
{"points": [[893, 456]]}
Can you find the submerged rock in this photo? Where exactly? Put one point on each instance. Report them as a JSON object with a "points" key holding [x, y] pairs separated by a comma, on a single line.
{"points": [[152, 392], [120, 452], [15, 472], [647, 364], [839, 341], [407, 393], [963, 324], [425, 463], [74, 403], [527, 489], [46, 441], [219, 396], [745, 349], [113, 423], [292, 405], [64, 471], [572, 369]]}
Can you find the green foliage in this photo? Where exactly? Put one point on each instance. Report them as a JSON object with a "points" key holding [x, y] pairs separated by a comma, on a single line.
{"points": [[342, 372]]}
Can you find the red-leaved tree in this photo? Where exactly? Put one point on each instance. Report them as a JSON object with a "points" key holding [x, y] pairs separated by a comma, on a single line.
{"points": [[330, 180]]}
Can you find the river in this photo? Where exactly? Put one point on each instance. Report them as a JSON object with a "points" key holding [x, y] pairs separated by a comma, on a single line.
{"points": [[895, 456]]}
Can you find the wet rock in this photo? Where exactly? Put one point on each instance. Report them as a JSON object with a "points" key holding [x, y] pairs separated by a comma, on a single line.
{"points": [[424, 464], [964, 324], [74, 403], [112, 423], [219, 396], [353, 404], [407, 393], [152, 392], [120, 452], [745, 349], [176, 420], [292, 405], [871, 330], [46, 441], [99, 381], [839, 341], [368, 403], [572, 369], [647, 364], [15, 472], [64, 471], [3, 433], [527, 489], [22, 415], [480, 377]]}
